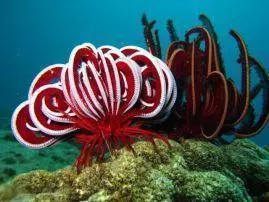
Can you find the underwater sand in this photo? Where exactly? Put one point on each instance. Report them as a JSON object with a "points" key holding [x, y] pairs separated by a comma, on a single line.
{"points": [[16, 159]]}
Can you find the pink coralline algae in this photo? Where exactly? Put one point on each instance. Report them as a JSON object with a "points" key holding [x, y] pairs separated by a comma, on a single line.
{"points": [[102, 97]]}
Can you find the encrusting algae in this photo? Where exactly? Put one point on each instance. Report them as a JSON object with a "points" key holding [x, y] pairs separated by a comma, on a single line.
{"points": [[192, 170]]}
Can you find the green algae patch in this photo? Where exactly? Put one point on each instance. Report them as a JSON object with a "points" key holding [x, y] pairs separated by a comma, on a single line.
{"points": [[192, 170], [203, 155], [249, 162]]}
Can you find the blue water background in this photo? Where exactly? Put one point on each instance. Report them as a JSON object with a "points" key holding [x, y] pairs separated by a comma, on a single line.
{"points": [[35, 34]]}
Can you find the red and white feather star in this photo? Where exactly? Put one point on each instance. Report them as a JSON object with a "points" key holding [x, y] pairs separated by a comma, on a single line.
{"points": [[100, 97]]}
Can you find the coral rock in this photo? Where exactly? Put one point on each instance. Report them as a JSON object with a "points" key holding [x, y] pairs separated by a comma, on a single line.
{"points": [[193, 170]]}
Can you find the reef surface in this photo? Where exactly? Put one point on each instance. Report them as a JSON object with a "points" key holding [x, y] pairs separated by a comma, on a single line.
{"points": [[192, 170], [16, 159]]}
